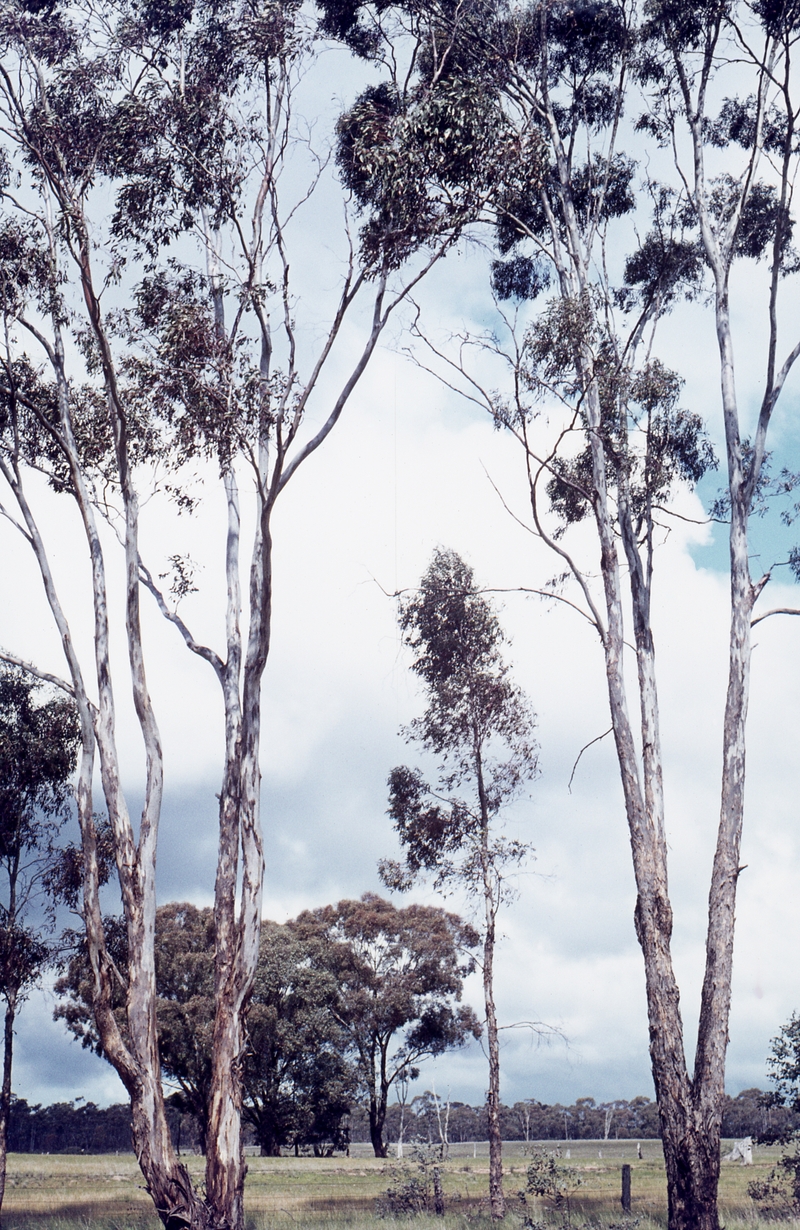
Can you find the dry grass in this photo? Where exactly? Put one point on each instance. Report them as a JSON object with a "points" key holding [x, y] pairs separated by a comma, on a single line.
{"points": [[105, 1192]]}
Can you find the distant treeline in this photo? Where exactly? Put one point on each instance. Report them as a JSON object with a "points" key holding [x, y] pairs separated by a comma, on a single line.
{"points": [[744, 1115], [82, 1127], [85, 1128]]}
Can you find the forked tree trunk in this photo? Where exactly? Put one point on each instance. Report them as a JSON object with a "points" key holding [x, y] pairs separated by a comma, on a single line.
{"points": [[136, 1058], [240, 868], [689, 1107], [689, 1110]]}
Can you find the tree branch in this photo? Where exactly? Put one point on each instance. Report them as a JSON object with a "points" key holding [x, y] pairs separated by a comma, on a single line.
{"points": [[30, 669], [585, 748], [778, 610]]}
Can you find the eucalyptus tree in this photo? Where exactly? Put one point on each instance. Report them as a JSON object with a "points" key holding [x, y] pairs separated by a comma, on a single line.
{"points": [[400, 974], [154, 331], [480, 727], [297, 1079], [591, 277], [38, 749]]}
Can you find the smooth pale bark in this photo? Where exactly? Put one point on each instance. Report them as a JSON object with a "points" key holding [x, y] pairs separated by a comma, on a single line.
{"points": [[690, 1106], [134, 1056], [237, 906]]}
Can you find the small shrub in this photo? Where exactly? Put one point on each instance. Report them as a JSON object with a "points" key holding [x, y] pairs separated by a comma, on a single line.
{"points": [[552, 1182], [778, 1195], [414, 1193], [407, 1196]]}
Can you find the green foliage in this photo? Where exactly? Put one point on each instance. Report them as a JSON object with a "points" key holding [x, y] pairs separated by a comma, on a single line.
{"points": [[297, 1080], [399, 974], [38, 748], [651, 443], [407, 1195], [185, 1005], [420, 164], [299, 1083], [75, 980], [547, 1179], [414, 1191], [779, 1193], [476, 720]]}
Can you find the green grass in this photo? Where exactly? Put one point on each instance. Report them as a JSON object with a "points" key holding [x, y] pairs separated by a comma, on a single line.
{"points": [[105, 1192]]}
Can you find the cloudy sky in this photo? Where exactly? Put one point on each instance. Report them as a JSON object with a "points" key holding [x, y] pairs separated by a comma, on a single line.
{"points": [[409, 468]]}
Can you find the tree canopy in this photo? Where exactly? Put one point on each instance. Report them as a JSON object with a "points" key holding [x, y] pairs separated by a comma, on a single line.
{"points": [[297, 1080], [400, 973]]}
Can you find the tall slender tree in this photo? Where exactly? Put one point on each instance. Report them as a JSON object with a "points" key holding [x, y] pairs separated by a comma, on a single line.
{"points": [[480, 726], [146, 154], [570, 81]]}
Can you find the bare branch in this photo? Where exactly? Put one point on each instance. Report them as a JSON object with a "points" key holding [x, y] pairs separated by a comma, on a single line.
{"points": [[202, 651], [778, 610], [585, 748], [30, 669]]}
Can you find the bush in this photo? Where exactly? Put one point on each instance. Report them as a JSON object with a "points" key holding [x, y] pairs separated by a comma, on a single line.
{"points": [[415, 1193], [553, 1182]]}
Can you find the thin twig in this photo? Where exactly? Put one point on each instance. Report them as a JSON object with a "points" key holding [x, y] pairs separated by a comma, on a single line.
{"points": [[585, 748]]}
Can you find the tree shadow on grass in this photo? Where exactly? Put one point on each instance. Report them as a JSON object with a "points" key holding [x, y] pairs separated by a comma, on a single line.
{"points": [[82, 1217]]}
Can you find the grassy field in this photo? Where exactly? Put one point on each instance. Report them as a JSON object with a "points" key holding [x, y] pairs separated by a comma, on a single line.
{"points": [[104, 1192]]}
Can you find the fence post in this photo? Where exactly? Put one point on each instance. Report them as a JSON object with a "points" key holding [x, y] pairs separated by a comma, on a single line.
{"points": [[626, 1188]]}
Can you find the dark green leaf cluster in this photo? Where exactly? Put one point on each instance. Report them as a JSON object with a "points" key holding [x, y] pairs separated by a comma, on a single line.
{"points": [[651, 445], [476, 721], [779, 1193], [397, 970], [736, 124], [764, 223], [328, 987], [75, 982], [63, 879], [170, 148], [668, 263], [26, 272], [299, 1082], [23, 955], [39, 741], [683, 27], [601, 188], [520, 277], [420, 165], [197, 388], [455, 637], [551, 1179], [780, 18]]}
